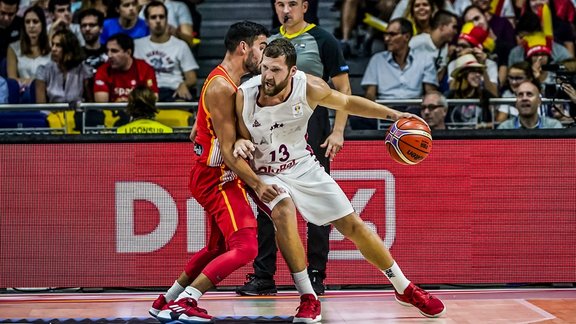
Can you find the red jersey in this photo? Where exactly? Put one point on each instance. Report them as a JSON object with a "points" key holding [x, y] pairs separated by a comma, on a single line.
{"points": [[207, 146], [118, 84]]}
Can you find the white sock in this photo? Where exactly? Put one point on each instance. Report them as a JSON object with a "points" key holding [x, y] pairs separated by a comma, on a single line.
{"points": [[190, 292], [174, 291], [303, 284], [397, 278]]}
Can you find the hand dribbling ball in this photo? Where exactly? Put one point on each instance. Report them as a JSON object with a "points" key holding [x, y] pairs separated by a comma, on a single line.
{"points": [[408, 141]]}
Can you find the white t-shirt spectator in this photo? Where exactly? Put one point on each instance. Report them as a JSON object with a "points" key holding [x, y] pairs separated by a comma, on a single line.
{"points": [[169, 60], [178, 13], [27, 66]]}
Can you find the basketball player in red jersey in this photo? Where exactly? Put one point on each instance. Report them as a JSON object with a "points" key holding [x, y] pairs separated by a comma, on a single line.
{"points": [[232, 243]]}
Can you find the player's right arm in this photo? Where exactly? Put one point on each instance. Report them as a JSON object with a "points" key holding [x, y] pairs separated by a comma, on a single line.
{"points": [[220, 102]]}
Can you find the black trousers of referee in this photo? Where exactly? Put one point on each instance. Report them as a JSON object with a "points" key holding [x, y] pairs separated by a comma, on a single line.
{"points": [[318, 236]]}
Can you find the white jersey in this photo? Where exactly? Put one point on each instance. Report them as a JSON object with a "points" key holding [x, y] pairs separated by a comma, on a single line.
{"points": [[284, 159], [278, 132]]}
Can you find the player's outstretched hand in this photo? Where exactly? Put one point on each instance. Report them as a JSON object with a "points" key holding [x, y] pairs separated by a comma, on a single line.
{"points": [[244, 148], [333, 144]]}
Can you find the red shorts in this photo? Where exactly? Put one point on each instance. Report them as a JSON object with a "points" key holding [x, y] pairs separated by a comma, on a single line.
{"points": [[225, 202]]}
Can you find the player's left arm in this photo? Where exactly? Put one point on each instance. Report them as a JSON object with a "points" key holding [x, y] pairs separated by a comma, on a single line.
{"points": [[319, 93], [335, 141]]}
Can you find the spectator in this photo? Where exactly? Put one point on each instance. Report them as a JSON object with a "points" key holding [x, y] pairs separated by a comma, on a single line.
{"points": [[31, 51], [402, 6], [538, 54], [534, 19], [533, 39], [173, 63], [474, 40], [116, 78], [91, 22], [128, 23], [106, 7], [142, 109], [499, 29], [467, 84], [517, 74], [400, 72], [61, 13], [43, 4], [444, 28], [64, 80], [420, 13], [180, 23], [434, 110], [170, 57], [528, 103], [10, 25], [503, 9]]}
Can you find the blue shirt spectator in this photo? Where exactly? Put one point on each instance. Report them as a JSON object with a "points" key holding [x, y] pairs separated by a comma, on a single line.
{"points": [[127, 23]]}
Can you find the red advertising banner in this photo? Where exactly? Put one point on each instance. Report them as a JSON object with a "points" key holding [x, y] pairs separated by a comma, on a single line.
{"points": [[121, 215]]}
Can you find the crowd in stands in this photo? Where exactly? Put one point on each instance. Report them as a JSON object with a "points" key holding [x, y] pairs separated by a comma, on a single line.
{"points": [[60, 51]]}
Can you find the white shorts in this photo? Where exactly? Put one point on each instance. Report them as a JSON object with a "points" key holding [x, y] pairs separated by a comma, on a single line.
{"points": [[318, 198]]}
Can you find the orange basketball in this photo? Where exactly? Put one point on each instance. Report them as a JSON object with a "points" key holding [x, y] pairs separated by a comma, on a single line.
{"points": [[408, 141]]}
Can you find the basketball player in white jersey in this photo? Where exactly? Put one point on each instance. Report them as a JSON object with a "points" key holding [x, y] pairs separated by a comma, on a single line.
{"points": [[273, 111]]}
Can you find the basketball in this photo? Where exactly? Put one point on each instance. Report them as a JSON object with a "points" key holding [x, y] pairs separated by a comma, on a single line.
{"points": [[408, 141]]}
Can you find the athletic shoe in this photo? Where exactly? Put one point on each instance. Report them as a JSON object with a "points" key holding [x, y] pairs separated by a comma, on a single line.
{"points": [[255, 286], [185, 310], [157, 306], [428, 305], [309, 310], [317, 281]]}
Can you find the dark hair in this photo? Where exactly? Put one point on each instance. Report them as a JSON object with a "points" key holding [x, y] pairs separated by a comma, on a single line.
{"points": [[142, 103], [53, 3], [155, 3], [245, 31], [11, 2], [405, 25], [118, 3], [527, 68], [124, 41], [470, 7], [281, 47], [442, 18], [92, 12], [72, 53], [43, 41]]}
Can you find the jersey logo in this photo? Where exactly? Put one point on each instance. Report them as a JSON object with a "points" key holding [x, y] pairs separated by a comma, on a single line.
{"points": [[297, 110], [276, 125], [256, 123]]}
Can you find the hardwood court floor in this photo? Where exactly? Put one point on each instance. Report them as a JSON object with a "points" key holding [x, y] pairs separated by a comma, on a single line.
{"points": [[366, 306]]}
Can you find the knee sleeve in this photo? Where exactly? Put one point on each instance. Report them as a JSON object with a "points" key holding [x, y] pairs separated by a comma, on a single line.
{"points": [[201, 259], [242, 248]]}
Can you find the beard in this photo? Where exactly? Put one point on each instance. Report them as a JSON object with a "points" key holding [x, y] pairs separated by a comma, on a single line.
{"points": [[251, 65], [277, 88]]}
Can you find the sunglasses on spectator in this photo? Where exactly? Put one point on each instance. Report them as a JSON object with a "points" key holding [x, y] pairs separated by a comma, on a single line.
{"points": [[430, 107]]}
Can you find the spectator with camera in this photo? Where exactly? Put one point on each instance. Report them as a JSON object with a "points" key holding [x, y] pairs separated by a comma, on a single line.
{"points": [[528, 103]]}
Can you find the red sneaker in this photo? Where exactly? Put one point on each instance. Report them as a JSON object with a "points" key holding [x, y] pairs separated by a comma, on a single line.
{"points": [[157, 306], [185, 310], [309, 310], [428, 305]]}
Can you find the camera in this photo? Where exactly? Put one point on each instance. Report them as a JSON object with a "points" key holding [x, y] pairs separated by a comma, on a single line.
{"points": [[565, 73]]}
